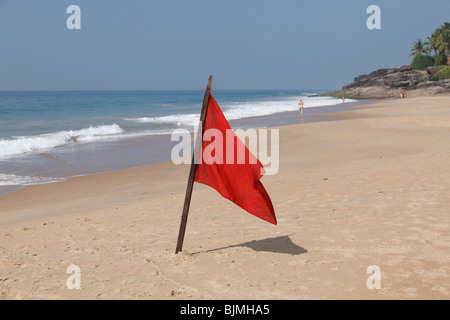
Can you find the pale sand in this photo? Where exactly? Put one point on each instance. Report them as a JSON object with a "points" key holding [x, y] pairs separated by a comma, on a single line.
{"points": [[371, 189]]}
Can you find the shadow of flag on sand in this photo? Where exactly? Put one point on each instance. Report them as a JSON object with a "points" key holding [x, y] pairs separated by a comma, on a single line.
{"points": [[281, 244]]}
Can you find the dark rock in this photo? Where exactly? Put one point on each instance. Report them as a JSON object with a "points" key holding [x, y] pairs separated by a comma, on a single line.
{"points": [[379, 73], [444, 83], [396, 80], [432, 71], [404, 68], [426, 84], [391, 82], [417, 77]]}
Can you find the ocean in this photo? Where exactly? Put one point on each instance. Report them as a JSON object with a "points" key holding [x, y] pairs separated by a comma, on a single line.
{"points": [[49, 136]]}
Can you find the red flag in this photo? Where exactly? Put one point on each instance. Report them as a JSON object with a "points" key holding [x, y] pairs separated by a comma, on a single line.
{"points": [[238, 181]]}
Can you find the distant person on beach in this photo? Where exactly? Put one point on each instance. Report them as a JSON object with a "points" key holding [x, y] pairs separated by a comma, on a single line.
{"points": [[402, 94], [343, 98], [301, 106]]}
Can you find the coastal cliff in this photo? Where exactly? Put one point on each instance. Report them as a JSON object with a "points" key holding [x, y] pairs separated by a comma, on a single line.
{"points": [[390, 83]]}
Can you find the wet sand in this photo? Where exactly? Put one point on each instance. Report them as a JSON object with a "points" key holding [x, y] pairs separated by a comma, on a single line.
{"points": [[107, 156]]}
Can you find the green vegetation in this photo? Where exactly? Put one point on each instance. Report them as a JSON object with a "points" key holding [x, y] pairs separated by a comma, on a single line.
{"points": [[439, 43], [444, 73], [418, 48], [440, 61], [421, 62]]}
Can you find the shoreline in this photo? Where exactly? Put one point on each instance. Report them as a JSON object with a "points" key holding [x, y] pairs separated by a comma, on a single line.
{"points": [[370, 189], [161, 145]]}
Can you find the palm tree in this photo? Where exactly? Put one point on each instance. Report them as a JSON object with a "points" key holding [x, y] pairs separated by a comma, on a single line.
{"points": [[433, 44], [419, 47], [439, 41], [443, 39]]}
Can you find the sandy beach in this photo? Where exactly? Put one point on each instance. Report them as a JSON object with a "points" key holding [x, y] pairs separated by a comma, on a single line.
{"points": [[369, 189]]}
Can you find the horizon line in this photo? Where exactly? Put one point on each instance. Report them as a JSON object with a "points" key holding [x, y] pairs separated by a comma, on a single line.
{"points": [[150, 90]]}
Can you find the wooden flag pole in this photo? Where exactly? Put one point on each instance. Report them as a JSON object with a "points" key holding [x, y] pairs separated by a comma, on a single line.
{"points": [[190, 185]]}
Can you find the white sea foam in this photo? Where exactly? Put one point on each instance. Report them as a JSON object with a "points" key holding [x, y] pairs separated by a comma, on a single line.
{"points": [[175, 119], [240, 110], [20, 145], [15, 180]]}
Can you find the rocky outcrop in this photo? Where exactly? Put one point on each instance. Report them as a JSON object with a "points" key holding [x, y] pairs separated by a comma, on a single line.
{"points": [[390, 83]]}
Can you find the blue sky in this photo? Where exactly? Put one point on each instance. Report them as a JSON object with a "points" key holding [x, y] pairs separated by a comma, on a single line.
{"points": [[174, 44]]}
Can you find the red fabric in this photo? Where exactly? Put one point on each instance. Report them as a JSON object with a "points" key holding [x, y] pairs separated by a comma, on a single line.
{"points": [[239, 183]]}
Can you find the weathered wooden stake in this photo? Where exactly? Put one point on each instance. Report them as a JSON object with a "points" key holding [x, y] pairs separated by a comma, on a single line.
{"points": [[195, 155]]}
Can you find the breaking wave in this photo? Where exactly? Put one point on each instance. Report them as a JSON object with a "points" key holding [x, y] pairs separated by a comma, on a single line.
{"points": [[26, 144]]}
